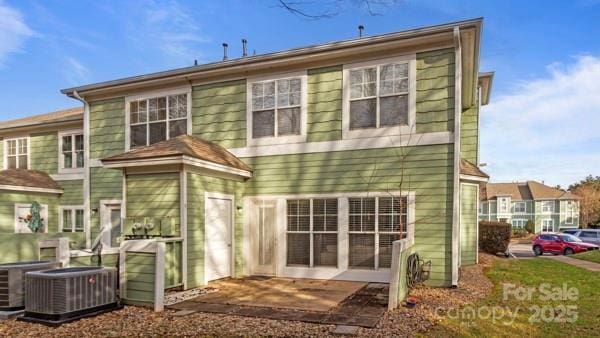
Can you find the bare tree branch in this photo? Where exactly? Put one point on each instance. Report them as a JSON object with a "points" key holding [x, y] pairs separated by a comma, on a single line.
{"points": [[327, 10]]}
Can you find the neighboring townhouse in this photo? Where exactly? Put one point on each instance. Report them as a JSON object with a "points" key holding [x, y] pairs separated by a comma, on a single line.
{"points": [[307, 163], [549, 208]]}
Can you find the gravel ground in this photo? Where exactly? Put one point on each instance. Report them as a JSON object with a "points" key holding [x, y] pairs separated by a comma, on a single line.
{"points": [[140, 322]]}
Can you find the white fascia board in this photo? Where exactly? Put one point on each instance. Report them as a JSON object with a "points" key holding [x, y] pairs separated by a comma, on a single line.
{"points": [[30, 189]]}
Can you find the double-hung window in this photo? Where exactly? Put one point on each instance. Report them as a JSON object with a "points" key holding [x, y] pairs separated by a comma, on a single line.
{"points": [[547, 225], [312, 238], [277, 109], [571, 212], [519, 223], [519, 207], [71, 219], [16, 153], [548, 206], [378, 97], [374, 224], [158, 118], [71, 151]]}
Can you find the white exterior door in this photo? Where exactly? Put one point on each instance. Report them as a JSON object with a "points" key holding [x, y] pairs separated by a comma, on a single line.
{"points": [[218, 236], [111, 224], [262, 237]]}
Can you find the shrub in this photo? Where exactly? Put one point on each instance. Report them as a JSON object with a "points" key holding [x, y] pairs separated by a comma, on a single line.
{"points": [[530, 226], [494, 237], [519, 233]]}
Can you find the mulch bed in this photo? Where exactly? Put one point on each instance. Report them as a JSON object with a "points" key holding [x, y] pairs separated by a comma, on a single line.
{"points": [[141, 322]]}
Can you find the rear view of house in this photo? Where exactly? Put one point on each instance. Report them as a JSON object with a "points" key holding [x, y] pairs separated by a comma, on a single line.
{"points": [[307, 163], [550, 209]]}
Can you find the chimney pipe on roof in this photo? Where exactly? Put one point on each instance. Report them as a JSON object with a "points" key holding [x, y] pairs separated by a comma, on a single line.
{"points": [[244, 50], [360, 30], [224, 51]]}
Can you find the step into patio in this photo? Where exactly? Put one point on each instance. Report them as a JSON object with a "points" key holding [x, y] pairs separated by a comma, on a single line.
{"points": [[363, 308]]}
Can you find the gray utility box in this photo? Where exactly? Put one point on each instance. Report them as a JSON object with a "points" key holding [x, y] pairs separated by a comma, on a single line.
{"points": [[12, 281]]}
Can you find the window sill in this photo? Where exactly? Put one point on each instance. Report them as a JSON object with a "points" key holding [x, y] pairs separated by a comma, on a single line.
{"points": [[276, 140], [377, 132]]}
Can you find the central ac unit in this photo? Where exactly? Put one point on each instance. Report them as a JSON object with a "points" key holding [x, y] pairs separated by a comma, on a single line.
{"points": [[61, 295], [11, 281]]}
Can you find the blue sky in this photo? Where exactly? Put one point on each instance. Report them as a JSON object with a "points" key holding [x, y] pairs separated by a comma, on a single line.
{"points": [[542, 123]]}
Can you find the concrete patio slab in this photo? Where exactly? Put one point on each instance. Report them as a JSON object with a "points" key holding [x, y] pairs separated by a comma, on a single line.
{"points": [[286, 293]]}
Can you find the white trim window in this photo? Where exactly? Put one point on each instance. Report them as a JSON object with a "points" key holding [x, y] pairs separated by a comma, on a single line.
{"points": [[71, 219], [519, 223], [547, 206], [374, 224], [16, 153], [312, 232], [157, 117], [503, 205], [571, 212], [520, 207], [276, 111], [71, 151], [379, 97], [23, 217], [548, 225]]}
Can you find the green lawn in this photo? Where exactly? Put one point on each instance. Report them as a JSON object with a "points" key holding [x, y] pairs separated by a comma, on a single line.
{"points": [[592, 256], [476, 321]]}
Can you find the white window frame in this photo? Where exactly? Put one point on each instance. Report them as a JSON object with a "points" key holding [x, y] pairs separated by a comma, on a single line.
{"points": [[546, 210], [74, 168], [524, 207], [311, 231], [522, 223], [376, 232], [16, 138], [503, 201], [43, 214], [105, 207], [271, 140], [570, 213], [412, 98], [547, 222], [72, 209], [155, 94]]}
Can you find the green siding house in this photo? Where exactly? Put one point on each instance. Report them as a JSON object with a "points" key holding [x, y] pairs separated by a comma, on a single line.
{"points": [[307, 163], [550, 209]]}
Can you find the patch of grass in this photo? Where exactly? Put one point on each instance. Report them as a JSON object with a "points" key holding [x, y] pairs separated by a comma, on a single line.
{"points": [[592, 256], [513, 317]]}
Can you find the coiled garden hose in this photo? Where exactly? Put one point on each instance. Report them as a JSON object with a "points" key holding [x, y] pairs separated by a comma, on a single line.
{"points": [[417, 270]]}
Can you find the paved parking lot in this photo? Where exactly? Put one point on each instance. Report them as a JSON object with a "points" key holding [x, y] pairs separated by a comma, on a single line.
{"points": [[521, 250]]}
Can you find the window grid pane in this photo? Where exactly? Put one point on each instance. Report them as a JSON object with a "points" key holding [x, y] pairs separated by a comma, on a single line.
{"points": [[276, 108], [67, 220], [150, 119]]}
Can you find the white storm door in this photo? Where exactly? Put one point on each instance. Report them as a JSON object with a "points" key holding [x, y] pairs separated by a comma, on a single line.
{"points": [[263, 237], [218, 237]]}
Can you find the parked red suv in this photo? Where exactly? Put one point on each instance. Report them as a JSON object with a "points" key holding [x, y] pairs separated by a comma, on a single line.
{"points": [[558, 243]]}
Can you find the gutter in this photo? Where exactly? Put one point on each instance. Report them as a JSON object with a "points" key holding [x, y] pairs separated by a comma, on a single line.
{"points": [[86, 169], [456, 178]]}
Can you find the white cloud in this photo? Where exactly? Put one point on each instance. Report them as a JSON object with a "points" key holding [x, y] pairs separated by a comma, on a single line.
{"points": [[547, 128], [168, 27], [75, 72], [13, 31]]}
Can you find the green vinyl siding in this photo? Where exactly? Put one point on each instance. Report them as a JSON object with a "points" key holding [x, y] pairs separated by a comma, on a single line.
{"points": [[324, 106], [426, 170], [219, 113], [140, 274], [73, 192], [107, 128], [48, 254], [469, 134], [25, 247], [44, 152], [108, 260], [197, 185], [468, 224], [173, 265], [155, 196], [106, 184], [435, 91]]}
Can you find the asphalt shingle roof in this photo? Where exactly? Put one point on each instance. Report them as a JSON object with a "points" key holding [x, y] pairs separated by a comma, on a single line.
{"points": [[27, 178]]}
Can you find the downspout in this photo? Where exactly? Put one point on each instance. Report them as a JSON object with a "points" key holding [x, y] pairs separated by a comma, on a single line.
{"points": [[86, 169], [456, 178]]}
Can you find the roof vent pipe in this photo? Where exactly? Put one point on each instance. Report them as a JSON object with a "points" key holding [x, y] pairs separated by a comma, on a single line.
{"points": [[224, 51], [244, 49], [361, 28]]}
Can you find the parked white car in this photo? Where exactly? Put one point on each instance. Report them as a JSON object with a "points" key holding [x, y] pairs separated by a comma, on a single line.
{"points": [[586, 235]]}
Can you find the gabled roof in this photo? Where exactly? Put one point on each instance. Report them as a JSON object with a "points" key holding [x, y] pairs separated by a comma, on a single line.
{"points": [[60, 116], [183, 149], [530, 190], [470, 169], [28, 180]]}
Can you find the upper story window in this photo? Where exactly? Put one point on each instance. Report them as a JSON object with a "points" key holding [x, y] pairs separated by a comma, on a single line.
{"points": [[17, 153], [547, 206], [379, 97], [71, 155], [277, 109], [519, 207], [503, 205], [155, 118]]}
